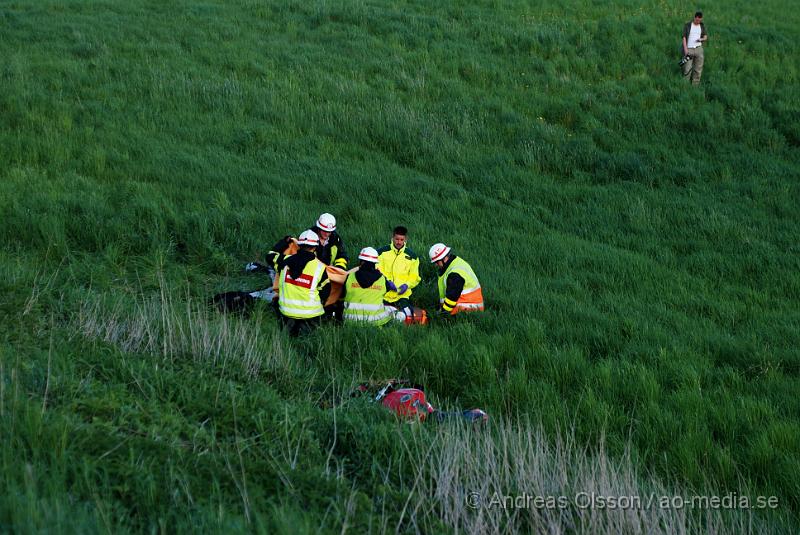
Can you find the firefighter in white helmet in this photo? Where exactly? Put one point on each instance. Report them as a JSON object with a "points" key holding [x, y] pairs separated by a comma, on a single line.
{"points": [[330, 250], [303, 286], [364, 292], [459, 289], [331, 247]]}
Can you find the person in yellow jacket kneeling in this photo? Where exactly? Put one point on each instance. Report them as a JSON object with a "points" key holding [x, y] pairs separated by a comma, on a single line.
{"points": [[459, 289], [400, 265], [303, 286], [364, 292]]}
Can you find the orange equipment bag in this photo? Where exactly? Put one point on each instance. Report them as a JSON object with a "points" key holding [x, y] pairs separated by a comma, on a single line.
{"points": [[418, 317]]}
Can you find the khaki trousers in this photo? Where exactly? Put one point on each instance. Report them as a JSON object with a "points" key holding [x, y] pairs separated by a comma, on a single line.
{"points": [[693, 68]]}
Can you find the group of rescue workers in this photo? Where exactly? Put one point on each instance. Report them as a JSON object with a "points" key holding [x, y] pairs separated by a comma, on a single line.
{"points": [[312, 282]]}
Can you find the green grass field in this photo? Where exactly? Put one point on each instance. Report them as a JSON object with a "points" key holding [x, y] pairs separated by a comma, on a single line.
{"points": [[636, 239]]}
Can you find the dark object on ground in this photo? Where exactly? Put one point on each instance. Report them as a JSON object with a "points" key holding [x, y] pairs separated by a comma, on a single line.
{"points": [[257, 267], [234, 302], [472, 415]]}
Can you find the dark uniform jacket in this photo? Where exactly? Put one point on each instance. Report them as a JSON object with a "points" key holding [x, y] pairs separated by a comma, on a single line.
{"points": [[454, 283], [332, 253]]}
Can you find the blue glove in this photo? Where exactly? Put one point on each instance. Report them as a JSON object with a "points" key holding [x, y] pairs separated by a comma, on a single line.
{"points": [[391, 286], [402, 289]]}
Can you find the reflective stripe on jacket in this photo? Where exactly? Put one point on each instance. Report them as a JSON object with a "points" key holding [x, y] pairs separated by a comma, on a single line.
{"points": [[471, 298], [299, 298], [366, 304], [401, 267], [332, 252]]}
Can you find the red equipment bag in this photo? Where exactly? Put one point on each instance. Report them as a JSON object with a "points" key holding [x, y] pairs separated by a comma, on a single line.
{"points": [[408, 402]]}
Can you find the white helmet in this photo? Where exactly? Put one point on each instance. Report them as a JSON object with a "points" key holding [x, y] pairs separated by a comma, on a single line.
{"points": [[369, 254], [438, 252], [326, 222], [308, 237]]}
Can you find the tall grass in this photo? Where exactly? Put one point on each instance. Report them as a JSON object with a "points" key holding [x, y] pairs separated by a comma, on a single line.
{"points": [[513, 477], [190, 329], [475, 479]]}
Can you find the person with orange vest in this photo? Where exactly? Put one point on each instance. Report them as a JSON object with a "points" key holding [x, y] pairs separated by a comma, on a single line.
{"points": [[303, 286], [459, 289]]}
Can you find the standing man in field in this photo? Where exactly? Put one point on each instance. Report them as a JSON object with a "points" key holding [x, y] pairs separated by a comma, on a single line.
{"points": [[304, 286], [694, 35], [400, 266], [459, 289]]}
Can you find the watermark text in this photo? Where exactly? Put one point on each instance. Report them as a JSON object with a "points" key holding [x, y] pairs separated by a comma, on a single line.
{"points": [[594, 500]]}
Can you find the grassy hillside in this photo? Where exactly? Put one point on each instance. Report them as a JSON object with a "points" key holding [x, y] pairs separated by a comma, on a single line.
{"points": [[636, 239]]}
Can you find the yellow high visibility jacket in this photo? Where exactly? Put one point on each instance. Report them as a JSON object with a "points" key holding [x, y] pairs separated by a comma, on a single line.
{"points": [[299, 298], [400, 267], [366, 304], [471, 298]]}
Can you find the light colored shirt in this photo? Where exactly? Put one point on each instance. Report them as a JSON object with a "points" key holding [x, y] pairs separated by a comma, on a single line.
{"points": [[694, 36]]}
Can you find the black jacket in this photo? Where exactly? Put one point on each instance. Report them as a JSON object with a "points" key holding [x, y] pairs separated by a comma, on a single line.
{"points": [[454, 283], [326, 252], [275, 255]]}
